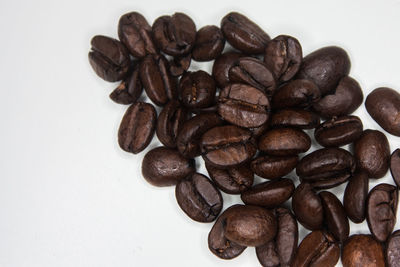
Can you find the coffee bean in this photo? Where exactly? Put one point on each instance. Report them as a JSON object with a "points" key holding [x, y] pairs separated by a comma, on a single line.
{"points": [[381, 210], [355, 196], [199, 198], [307, 207], [267, 254], [372, 152], [129, 89], [209, 43], [362, 250], [297, 118], [296, 93], [197, 89], [179, 64], [109, 58], [243, 34], [395, 166], [221, 67], [272, 167], [137, 127], [393, 250]]}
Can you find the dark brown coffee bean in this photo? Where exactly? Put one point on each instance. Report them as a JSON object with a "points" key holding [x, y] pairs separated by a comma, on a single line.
{"points": [[243, 105], [197, 89], [174, 35], [243, 34], [109, 58], [284, 142], [345, 99], [362, 250], [129, 89], [395, 166], [307, 207], [234, 180], [393, 250], [272, 167], [158, 83], [267, 254], [339, 131], [325, 67], [326, 168], [372, 152], [135, 33], [381, 210], [335, 216], [283, 56], [250, 225], [296, 93], [209, 43], [221, 67], [164, 166], [383, 105], [318, 248], [199, 198], [269, 194], [227, 146], [169, 123], [297, 118], [137, 127], [355, 196], [179, 64]]}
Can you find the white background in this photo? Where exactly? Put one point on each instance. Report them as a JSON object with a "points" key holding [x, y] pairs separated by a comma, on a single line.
{"points": [[68, 195]]}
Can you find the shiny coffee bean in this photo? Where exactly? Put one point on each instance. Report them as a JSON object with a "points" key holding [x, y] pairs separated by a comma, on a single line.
{"points": [[296, 93], [137, 127], [209, 43], [221, 67], [395, 166], [393, 250], [179, 64], [372, 152], [109, 58], [355, 197], [197, 89], [297, 118], [164, 166], [273, 167], [243, 34], [362, 250], [381, 210], [199, 198], [307, 207], [339, 131], [129, 90]]}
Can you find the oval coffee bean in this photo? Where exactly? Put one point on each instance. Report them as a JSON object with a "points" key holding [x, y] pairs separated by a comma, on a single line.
{"points": [[362, 250], [372, 152], [179, 64], [393, 250], [355, 197], [243, 34], [199, 198], [307, 207], [221, 67], [137, 127], [297, 118], [209, 43], [109, 58], [339, 131], [381, 210], [197, 89], [395, 166], [325, 67], [272, 167], [164, 166], [269, 194], [243, 105], [296, 93], [129, 90], [284, 142]]}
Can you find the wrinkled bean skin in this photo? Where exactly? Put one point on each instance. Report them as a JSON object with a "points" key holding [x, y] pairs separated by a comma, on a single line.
{"points": [[209, 43], [393, 250], [395, 166], [179, 64], [355, 197], [296, 93], [137, 127], [325, 67], [221, 67], [362, 250], [297, 118], [164, 166], [129, 90], [243, 34], [381, 210], [197, 89], [273, 167], [372, 152], [307, 207]]}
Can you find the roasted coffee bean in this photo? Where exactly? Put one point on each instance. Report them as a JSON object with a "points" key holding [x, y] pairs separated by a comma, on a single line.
{"points": [[174, 35], [209, 43], [381, 210], [234, 180], [372, 152], [269, 194], [221, 67], [169, 123], [179, 64], [395, 166], [164, 166], [253, 72], [345, 99], [129, 89], [355, 196], [197, 89], [272, 167], [296, 93], [297, 118], [218, 243], [227, 146], [267, 254], [393, 250], [284, 142], [158, 83], [135, 33], [243, 105], [318, 248], [307, 207], [188, 140], [137, 127], [250, 225], [325, 67], [109, 58], [362, 250], [383, 105], [339, 131], [283, 56], [199, 198], [335, 216], [326, 168], [243, 34]]}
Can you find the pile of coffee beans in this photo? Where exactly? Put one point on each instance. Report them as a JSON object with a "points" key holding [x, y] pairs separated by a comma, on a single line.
{"points": [[248, 117]]}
